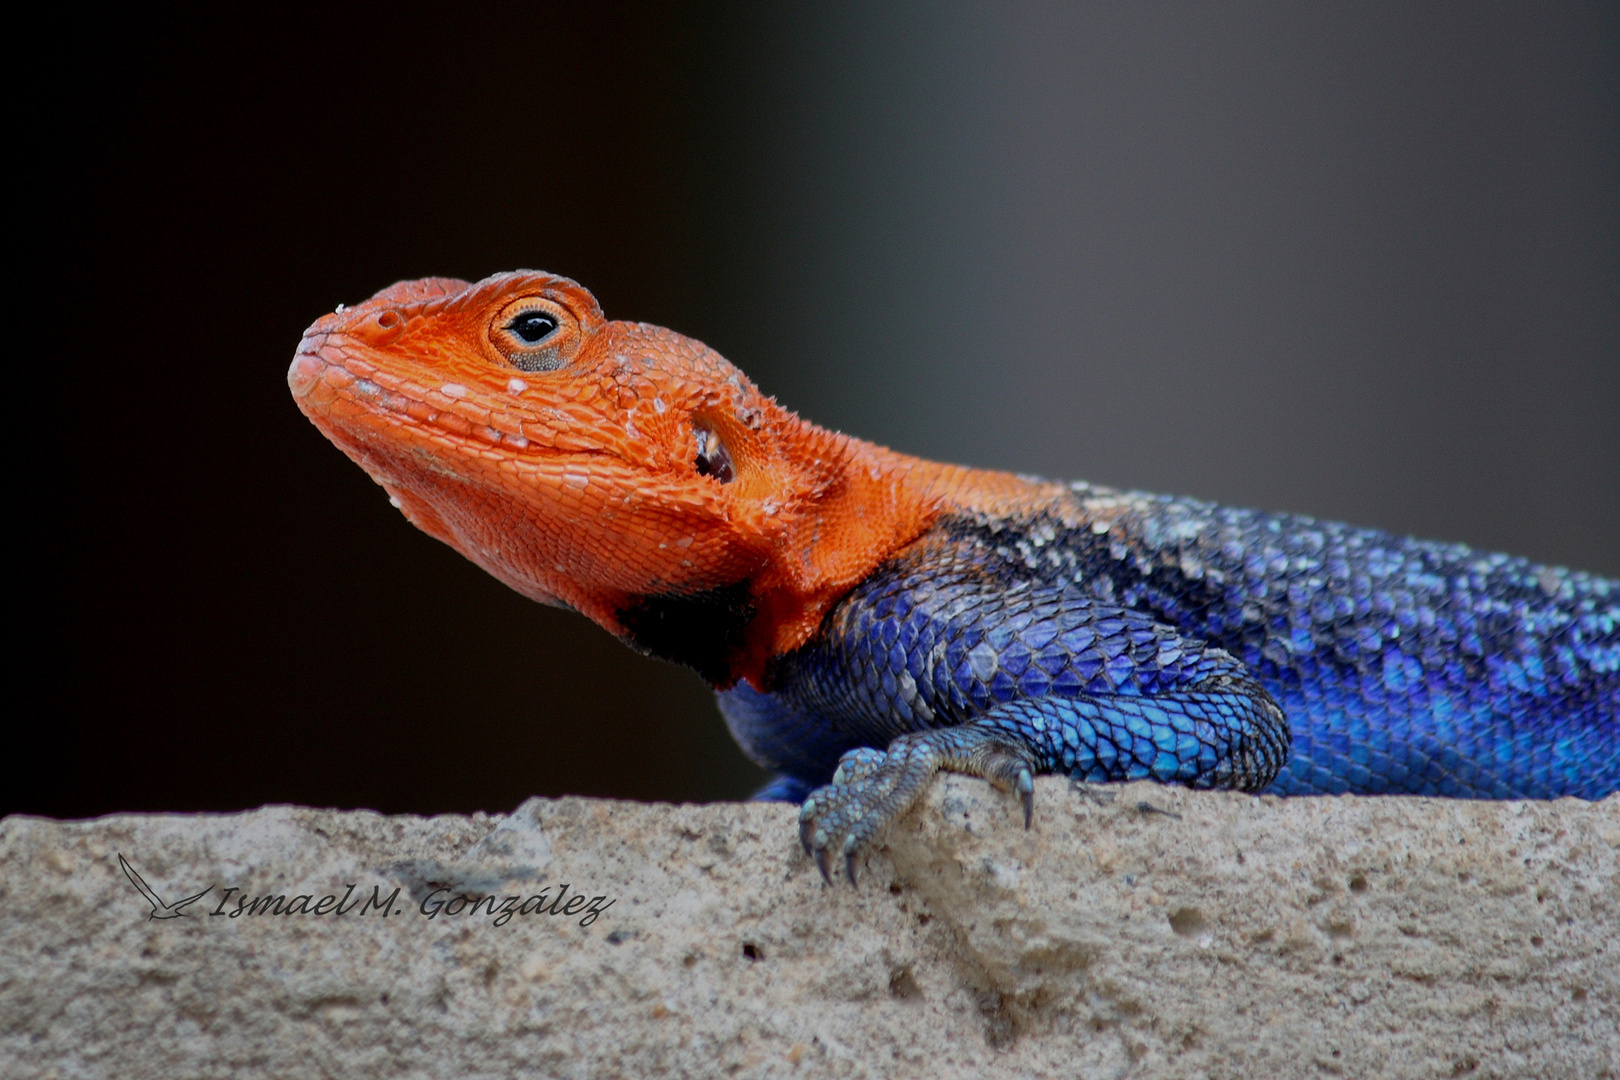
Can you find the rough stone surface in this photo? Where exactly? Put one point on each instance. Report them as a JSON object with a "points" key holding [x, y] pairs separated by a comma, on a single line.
{"points": [[1218, 935]]}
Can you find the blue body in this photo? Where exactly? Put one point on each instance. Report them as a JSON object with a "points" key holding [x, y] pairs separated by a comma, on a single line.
{"points": [[1131, 636]]}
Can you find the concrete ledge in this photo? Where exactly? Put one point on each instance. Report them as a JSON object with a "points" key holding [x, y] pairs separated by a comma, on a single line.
{"points": [[1214, 935]]}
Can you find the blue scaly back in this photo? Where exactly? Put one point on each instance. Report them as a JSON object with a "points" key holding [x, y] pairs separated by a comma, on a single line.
{"points": [[1131, 636]]}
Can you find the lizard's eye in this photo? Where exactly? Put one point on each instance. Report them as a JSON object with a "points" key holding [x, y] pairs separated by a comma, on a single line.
{"points": [[532, 327], [534, 334]]}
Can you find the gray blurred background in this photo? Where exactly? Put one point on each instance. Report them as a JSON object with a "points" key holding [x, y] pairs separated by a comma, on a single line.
{"points": [[1360, 261]]}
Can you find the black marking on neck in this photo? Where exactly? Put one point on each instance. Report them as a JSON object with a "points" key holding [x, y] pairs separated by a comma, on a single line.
{"points": [[702, 630]]}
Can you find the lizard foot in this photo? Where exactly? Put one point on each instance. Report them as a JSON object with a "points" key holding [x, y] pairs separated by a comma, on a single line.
{"points": [[872, 789]]}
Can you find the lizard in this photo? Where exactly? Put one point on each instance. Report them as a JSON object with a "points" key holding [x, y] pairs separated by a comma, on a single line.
{"points": [[869, 618]]}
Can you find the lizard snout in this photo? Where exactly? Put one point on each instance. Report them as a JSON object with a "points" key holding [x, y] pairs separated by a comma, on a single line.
{"points": [[307, 365]]}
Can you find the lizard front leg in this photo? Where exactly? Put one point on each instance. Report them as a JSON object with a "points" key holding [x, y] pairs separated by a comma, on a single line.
{"points": [[1003, 683], [1226, 733]]}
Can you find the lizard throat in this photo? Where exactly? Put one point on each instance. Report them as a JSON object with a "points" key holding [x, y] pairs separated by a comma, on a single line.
{"points": [[705, 631]]}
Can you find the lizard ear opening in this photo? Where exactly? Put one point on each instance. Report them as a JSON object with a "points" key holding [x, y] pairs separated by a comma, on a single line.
{"points": [[713, 459], [534, 333], [727, 451]]}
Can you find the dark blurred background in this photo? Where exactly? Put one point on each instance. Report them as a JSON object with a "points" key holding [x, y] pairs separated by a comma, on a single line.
{"points": [[1356, 260]]}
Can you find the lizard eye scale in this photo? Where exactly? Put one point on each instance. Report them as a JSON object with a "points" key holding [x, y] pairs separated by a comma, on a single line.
{"points": [[534, 334]]}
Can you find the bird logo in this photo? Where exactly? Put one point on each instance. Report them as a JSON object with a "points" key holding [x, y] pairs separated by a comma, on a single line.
{"points": [[160, 910]]}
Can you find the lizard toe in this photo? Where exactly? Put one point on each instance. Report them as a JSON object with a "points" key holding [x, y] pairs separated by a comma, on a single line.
{"points": [[873, 789]]}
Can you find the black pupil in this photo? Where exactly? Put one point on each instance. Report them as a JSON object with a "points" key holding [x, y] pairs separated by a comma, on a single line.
{"points": [[533, 326]]}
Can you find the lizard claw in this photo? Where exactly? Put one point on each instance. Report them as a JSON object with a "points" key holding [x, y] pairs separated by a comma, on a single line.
{"points": [[807, 826], [823, 857], [872, 789]]}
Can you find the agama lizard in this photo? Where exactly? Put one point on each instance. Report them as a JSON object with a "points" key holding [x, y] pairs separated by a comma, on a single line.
{"points": [[870, 618]]}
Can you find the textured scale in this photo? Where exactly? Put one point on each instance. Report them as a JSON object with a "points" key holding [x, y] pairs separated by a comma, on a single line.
{"points": [[1402, 666], [870, 618]]}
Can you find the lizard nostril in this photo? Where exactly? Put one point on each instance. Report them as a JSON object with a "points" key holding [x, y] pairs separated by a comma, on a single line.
{"points": [[377, 330]]}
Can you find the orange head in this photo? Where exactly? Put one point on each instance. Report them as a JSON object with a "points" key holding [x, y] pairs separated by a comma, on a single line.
{"points": [[615, 468]]}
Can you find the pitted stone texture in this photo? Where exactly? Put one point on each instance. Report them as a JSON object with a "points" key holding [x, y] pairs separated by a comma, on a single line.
{"points": [[1214, 935]]}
